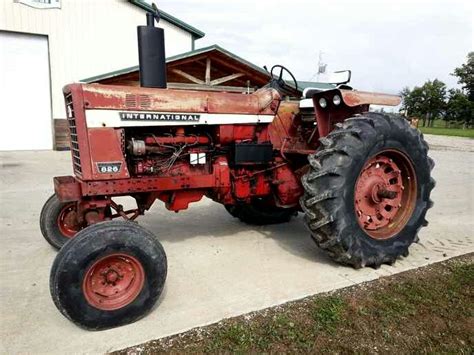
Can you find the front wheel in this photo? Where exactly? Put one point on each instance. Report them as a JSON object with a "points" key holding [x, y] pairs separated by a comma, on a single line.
{"points": [[110, 274], [368, 190], [58, 221]]}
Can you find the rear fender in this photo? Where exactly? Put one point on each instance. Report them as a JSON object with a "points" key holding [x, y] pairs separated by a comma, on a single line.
{"points": [[351, 103], [356, 98]]}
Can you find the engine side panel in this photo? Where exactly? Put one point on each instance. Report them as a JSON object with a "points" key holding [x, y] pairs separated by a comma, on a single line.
{"points": [[107, 146]]}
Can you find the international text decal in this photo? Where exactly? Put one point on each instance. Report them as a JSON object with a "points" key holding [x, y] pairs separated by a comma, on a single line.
{"points": [[155, 116]]}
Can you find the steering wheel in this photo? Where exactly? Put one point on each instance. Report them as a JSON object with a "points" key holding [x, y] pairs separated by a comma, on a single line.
{"points": [[281, 83]]}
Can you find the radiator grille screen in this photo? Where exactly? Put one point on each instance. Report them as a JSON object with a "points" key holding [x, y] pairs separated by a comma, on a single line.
{"points": [[76, 156]]}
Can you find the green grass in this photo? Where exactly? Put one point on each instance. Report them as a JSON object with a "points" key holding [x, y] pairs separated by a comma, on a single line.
{"points": [[422, 311], [456, 132], [327, 313]]}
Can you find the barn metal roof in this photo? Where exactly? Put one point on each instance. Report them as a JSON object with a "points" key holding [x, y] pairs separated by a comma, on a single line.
{"points": [[198, 52], [175, 58]]}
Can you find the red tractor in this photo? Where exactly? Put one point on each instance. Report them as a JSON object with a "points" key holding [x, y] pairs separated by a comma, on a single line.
{"points": [[361, 179]]}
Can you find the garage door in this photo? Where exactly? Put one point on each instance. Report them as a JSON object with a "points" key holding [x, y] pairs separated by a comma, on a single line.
{"points": [[25, 95]]}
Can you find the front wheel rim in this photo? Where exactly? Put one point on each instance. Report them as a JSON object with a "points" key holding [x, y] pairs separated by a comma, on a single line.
{"points": [[385, 194], [113, 282], [67, 221]]}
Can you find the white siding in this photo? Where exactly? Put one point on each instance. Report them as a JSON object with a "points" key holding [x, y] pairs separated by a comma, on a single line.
{"points": [[25, 110], [87, 38]]}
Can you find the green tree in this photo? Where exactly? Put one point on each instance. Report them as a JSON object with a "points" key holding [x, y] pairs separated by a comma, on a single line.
{"points": [[427, 101], [412, 100], [434, 100], [459, 108], [465, 75]]}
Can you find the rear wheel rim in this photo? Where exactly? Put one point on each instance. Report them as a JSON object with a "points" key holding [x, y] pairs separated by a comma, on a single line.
{"points": [[67, 221], [385, 194], [113, 282]]}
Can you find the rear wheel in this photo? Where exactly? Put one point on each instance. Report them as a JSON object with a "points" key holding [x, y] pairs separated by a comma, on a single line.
{"points": [[260, 212], [368, 190], [109, 274], [58, 221]]}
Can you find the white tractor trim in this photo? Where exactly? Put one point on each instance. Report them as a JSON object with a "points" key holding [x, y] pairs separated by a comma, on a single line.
{"points": [[112, 118]]}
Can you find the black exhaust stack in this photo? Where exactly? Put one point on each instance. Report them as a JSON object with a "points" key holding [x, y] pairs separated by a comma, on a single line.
{"points": [[151, 52]]}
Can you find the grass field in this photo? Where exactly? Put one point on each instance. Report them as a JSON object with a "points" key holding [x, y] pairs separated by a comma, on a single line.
{"points": [[428, 310], [456, 132]]}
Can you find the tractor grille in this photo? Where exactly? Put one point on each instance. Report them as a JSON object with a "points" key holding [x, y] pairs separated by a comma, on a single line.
{"points": [[76, 156], [138, 101]]}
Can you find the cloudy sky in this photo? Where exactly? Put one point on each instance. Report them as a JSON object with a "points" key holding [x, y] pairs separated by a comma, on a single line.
{"points": [[387, 44]]}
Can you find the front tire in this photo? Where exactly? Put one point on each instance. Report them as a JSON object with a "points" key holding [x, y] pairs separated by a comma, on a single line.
{"points": [[110, 274], [368, 190], [58, 221]]}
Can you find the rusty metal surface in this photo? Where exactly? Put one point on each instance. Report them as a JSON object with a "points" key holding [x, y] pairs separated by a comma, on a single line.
{"points": [[356, 98], [164, 100], [287, 132], [105, 146], [67, 188]]}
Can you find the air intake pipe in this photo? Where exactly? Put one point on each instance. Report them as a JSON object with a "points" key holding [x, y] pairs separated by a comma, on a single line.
{"points": [[151, 52]]}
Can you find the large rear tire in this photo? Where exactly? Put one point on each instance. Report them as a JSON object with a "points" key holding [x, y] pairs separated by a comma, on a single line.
{"points": [[368, 190], [110, 274]]}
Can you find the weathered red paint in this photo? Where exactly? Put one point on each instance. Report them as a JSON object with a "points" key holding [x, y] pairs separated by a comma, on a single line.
{"points": [[178, 139], [106, 146], [385, 194], [67, 188], [67, 220], [356, 98], [186, 101], [328, 117], [113, 282], [288, 186]]}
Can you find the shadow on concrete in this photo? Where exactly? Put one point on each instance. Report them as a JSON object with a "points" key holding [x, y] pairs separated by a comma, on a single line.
{"points": [[209, 219]]}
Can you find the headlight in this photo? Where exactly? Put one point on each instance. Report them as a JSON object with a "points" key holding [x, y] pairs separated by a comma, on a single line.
{"points": [[336, 100], [323, 103]]}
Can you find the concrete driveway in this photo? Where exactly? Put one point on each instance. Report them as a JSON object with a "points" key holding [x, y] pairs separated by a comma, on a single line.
{"points": [[218, 267]]}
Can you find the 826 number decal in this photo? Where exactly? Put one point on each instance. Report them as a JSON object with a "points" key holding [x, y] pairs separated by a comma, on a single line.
{"points": [[109, 168]]}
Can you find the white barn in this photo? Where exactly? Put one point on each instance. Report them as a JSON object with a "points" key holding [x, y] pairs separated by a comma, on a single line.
{"points": [[45, 44]]}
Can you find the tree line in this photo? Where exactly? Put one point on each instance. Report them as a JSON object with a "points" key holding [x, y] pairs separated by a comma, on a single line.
{"points": [[433, 100]]}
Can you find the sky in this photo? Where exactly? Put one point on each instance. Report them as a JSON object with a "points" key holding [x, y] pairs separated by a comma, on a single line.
{"points": [[387, 44]]}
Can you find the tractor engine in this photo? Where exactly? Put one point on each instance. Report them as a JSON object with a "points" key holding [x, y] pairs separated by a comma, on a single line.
{"points": [[165, 154], [242, 155]]}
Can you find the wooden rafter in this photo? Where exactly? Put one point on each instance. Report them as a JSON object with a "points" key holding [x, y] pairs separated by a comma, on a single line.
{"points": [[208, 71], [225, 79], [249, 72], [189, 77]]}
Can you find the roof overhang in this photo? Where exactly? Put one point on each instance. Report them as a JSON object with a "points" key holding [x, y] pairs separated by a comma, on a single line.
{"points": [[181, 57]]}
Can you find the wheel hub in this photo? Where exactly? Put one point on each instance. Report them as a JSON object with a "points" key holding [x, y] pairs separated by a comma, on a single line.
{"points": [[113, 282], [67, 221], [381, 201]]}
